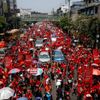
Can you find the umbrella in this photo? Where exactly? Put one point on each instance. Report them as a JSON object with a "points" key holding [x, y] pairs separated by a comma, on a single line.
{"points": [[88, 95], [94, 64], [58, 83], [14, 71], [39, 71], [38, 98], [59, 48], [32, 70], [96, 72], [6, 93], [35, 71], [22, 98], [30, 39], [46, 48]]}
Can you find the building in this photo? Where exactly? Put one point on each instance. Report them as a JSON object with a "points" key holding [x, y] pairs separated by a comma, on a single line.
{"points": [[92, 7], [75, 8], [12, 6], [1, 7], [9, 7], [77, 5], [62, 10], [25, 12]]}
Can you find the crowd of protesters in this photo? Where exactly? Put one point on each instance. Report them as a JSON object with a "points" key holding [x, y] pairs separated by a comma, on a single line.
{"points": [[75, 76]]}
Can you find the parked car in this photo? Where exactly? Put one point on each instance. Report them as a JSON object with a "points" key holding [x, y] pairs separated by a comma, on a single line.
{"points": [[58, 56], [44, 57]]}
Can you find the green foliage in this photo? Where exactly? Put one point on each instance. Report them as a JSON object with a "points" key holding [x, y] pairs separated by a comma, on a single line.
{"points": [[65, 23], [2, 20], [84, 25], [2, 23], [14, 22], [87, 25]]}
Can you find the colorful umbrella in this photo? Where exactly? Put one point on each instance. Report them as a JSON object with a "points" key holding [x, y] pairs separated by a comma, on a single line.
{"points": [[6, 93], [22, 98], [14, 71], [32, 70], [39, 71], [35, 71]]}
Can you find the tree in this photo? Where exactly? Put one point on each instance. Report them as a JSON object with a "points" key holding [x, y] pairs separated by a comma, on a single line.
{"points": [[87, 27], [65, 23], [2, 23], [14, 22]]}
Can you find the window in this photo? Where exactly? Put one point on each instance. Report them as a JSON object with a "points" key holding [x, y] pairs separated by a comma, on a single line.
{"points": [[89, 1], [96, 10], [92, 11]]}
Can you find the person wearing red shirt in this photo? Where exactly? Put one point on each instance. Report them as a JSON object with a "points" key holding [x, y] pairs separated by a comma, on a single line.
{"points": [[29, 95]]}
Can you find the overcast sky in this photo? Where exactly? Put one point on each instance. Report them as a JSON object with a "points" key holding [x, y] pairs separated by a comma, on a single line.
{"points": [[41, 5]]}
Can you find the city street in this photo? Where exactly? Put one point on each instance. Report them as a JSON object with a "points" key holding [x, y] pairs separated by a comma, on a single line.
{"points": [[49, 50], [43, 63]]}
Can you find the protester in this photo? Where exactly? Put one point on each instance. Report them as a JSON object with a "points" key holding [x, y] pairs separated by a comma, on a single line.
{"points": [[35, 79]]}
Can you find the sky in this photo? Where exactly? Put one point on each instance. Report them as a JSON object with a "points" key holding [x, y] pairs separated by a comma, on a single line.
{"points": [[45, 6]]}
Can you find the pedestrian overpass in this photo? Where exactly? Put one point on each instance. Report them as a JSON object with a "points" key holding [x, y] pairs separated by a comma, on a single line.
{"points": [[39, 18]]}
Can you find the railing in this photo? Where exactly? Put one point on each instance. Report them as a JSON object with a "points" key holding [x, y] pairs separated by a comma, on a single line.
{"points": [[40, 18]]}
